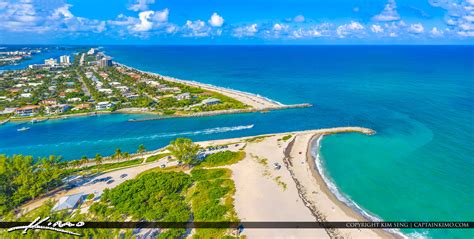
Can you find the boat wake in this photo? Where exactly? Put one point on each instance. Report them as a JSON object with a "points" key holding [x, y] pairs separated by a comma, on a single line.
{"points": [[209, 131], [315, 153]]}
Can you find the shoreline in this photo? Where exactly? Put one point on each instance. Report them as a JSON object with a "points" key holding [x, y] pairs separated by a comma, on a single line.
{"points": [[318, 174], [257, 103]]}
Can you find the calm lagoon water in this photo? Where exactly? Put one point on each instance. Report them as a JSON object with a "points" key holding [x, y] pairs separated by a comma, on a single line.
{"points": [[419, 99]]}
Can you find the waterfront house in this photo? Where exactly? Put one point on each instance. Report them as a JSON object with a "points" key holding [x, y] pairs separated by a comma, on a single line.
{"points": [[29, 110], [104, 105], [82, 107], [57, 109], [211, 101], [69, 202]]}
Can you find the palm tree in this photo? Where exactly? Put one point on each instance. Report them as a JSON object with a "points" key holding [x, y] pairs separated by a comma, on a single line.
{"points": [[118, 154], [84, 160], [141, 149], [98, 160]]}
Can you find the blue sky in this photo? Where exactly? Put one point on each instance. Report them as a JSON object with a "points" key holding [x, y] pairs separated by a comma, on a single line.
{"points": [[237, 22]]}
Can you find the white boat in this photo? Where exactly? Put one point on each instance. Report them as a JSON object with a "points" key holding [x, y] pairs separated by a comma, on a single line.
{"points": [[23, 129], [33, 121]]}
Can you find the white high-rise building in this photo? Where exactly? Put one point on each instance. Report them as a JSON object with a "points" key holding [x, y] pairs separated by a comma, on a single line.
{"points": [[65, 60]]}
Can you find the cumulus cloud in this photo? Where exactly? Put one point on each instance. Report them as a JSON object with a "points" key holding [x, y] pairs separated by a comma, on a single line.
{"points": [[376, 28], [196, 28], [416, 28], [62, 11], [140, 5], [246, 31], [435, 32], [161, 16], [216, 20], [459, 15], [349, 29], [389, 13], [145, 24]]}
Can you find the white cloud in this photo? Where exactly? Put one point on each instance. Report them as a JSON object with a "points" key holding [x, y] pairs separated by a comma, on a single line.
{"points": [[62, 12], [349, 29], [376, 28], [299, 18], [145, 24], [246, 31], [141, 5], [416, 28], [279, 27], [435, 32], [196, 28], [161, 16], [466, 34], [216, 20], [389, 13]]}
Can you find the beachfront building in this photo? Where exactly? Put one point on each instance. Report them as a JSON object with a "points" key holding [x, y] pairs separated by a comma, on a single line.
{"points": [[65, 60], [51, 62], [57, 109], [105, 62], [7, 111], [104, 105], [29, 110], [81, 107], [211, 101], [69, 202], [183, 96]]}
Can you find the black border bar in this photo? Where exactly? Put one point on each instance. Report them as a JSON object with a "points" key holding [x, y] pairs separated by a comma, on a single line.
{"points": [[269, 225]]}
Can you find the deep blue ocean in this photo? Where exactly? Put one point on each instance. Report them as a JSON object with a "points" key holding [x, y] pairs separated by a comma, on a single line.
{"points": [[420, 100]]}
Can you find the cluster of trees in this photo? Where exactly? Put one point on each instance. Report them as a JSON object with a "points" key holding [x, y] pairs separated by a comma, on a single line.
{"points": [[23, 178], [184, 150]]}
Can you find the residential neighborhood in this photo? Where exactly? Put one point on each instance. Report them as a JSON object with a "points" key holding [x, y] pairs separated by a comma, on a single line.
{"points": [[89, 81]]}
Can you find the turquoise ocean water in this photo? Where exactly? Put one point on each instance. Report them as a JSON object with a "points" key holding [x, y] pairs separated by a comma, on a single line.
{"points": [[418, 167]]}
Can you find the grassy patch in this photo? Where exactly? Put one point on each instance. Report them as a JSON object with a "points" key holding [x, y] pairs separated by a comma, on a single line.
{"points": [[110, 166], [286, 137], [280, 183], [211, 199], [157, 157], [222, 158], [257, 139]]}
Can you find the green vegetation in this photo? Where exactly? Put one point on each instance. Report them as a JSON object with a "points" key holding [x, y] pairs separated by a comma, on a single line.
{"points": [[286, 137], [212, 200], [23, 178], [157, 157], [257, 139], [110, 166], [184, 150], [159, 194], [222, 158]]}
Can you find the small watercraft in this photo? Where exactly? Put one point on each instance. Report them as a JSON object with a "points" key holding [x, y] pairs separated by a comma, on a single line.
{"points": [[23, 129], [34, 121]]}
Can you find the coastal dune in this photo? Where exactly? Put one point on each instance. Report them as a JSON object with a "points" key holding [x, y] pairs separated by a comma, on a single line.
{"points": [[295, 192]]}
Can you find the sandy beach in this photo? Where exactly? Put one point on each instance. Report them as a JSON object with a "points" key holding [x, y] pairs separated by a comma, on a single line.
{"points": [[276, 181]]}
